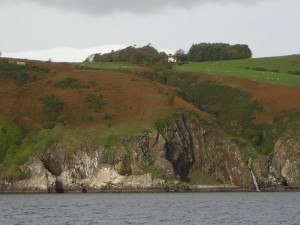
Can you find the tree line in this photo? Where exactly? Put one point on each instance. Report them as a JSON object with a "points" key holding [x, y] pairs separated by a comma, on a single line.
{"points": [[143, 56], [218, 51], [148, 56]]}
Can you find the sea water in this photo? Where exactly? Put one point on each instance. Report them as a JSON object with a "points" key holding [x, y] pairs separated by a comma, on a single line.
{"points": [[161, 208]]}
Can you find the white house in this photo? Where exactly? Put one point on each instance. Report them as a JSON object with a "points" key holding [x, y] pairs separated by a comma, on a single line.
{"points": [[171, 59]]}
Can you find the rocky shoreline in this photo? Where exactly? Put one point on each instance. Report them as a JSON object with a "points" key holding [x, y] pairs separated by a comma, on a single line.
{"points": [[162, 161], [165, 189]]}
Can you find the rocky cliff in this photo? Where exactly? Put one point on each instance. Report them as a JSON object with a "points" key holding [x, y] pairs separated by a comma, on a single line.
{"points": [[161, 160], [282, 167]]}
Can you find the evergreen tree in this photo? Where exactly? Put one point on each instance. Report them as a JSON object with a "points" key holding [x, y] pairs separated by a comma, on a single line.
{"points": [[218, 51]]}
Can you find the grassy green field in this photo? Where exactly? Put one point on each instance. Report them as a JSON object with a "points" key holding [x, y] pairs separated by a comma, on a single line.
{"points": [[108, 65], [272, 70]]}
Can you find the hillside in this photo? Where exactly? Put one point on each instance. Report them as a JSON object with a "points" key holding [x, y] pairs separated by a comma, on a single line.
{"points": [[107, 104], [284, 70], [125, 97], [107, 125], [269, 80]]}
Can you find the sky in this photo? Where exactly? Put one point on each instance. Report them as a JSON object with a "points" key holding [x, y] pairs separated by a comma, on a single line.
{"points": [[69, 31]]}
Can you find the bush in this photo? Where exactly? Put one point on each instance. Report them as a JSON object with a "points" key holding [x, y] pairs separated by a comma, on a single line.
{"points": [[21, 78], [52, 107], [108, 116], [95, 102], [69, 83], [296, 72], [21, 74], [260, 69]]}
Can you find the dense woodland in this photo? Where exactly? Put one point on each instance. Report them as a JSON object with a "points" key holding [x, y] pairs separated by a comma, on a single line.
{"points": [[218, 51], [149, 56], [144, 56]]}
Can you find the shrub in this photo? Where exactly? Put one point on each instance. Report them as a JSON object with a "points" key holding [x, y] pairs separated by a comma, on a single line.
{"points": [[21, 78], [52, 107], [21, 74], [95, 102], [93, 83], [296, 72], [260, 69], [108, 116], [69, 83]]}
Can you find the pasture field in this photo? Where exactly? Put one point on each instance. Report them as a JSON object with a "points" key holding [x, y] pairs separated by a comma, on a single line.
{"points": [[272, 70], [108, 65]]}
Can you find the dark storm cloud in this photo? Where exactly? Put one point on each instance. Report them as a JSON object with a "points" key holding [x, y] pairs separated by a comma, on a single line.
{"points": [[99, 7]]}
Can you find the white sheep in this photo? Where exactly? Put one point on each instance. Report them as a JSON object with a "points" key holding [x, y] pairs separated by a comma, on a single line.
{"points": [[20, 63]]}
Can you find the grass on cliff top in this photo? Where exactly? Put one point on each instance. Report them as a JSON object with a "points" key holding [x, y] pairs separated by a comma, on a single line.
{"points": [[21, 150], [283, 70]]}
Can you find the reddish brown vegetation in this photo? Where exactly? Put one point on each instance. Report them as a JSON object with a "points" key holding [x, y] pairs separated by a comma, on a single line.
{"points": [[274, 98], [130, 100]]}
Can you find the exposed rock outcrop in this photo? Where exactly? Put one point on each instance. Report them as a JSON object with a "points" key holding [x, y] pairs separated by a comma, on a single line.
{"points": [[282, 167], [40, 179], [174, 151], [82, 171], [191, 145]]}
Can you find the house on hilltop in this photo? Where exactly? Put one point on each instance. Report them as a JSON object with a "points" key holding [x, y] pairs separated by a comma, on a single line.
{"points": [[172, 59]]}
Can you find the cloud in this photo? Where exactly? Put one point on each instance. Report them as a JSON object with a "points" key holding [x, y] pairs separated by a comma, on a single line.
{"points": [[102, 7], [67, 54], [64, 54]]}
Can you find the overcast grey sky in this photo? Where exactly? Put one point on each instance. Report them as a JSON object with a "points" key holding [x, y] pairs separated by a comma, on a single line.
{"points": [[67, 30]]}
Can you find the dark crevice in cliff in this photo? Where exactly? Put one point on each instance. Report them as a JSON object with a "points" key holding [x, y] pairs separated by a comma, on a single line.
{"points": [[59, 187], [190, 142], [180, 148]]}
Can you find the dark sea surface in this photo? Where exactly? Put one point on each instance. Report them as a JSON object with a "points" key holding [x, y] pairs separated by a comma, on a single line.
{"points": [[161, 208]]}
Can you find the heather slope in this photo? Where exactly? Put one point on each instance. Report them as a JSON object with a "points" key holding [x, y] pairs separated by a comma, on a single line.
{"points": [[67, 128]]}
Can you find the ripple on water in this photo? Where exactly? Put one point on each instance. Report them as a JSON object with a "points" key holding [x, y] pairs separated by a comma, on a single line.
{"points": [[165, 209]]}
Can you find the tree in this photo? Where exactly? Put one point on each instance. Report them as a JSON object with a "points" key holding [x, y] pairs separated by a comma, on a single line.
{"points": [[144, 56], [180, 55], [218, 51]]}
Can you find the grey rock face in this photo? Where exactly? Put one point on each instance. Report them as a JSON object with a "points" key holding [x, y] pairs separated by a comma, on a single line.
{"points": [[174, 151], [285, 163]]}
